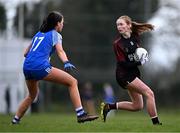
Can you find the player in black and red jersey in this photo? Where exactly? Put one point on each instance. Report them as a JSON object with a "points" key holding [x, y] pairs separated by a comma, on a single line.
{"points": [[127, 72]]}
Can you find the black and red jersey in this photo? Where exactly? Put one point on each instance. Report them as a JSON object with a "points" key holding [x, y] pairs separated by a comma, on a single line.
{"points": [[125, 49], [127, 68]]}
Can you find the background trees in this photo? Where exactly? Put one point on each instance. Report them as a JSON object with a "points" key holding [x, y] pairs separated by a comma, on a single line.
{"points": [[87, 38], [2, 18]]}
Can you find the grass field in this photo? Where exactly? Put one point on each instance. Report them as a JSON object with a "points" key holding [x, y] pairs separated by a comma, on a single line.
{"points": [[122, 122]]}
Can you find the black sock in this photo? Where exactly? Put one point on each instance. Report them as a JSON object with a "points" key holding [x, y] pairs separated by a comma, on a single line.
{"points": [[112, 106], [155, 120]]}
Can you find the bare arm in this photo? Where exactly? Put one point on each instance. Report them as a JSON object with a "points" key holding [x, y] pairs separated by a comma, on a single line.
{"points": [[61, 53], [27, 50]]}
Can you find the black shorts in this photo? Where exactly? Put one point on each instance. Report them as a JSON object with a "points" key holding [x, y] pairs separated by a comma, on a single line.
{"points": [[123, 77]]}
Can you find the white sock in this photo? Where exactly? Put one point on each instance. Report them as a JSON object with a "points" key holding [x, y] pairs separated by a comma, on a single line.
{"points": [[80, 111], [16, 117]]}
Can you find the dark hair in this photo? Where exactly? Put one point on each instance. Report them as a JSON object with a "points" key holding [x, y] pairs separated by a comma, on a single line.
{"points": [[51, 21]]}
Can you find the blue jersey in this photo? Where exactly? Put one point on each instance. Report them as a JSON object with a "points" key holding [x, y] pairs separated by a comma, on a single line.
{"points": [[43, 45]]}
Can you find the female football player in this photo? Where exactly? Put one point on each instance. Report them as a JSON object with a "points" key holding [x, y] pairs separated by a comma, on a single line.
{"points": [[127, 72], [37, 66]]}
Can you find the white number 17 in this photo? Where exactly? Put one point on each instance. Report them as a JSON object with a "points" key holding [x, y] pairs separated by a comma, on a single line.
{"points": [[39, 39]]}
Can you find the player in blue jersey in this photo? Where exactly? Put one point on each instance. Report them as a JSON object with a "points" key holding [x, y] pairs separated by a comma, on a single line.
{"points": [[37, 67]]}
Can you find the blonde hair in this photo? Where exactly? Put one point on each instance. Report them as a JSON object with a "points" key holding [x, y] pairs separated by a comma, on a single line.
{"points": [[137, 28]]}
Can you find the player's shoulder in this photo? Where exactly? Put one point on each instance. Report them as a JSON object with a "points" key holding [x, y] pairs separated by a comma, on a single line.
{"points": [[136, 37], [57, 34], [37, 33], [116, 39]]}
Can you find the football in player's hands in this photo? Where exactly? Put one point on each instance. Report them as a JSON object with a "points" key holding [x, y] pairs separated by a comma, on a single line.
{"points": [[141, 54]]}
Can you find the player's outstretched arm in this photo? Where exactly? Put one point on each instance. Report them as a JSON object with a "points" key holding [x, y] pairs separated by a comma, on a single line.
{"points": [[61, 53]]}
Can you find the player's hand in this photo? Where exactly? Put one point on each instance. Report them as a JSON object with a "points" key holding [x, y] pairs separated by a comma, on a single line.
{"points": [[144, 59], [68, 67]]}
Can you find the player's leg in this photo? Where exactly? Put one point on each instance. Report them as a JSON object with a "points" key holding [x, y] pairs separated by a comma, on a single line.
{"points": [[32, 86], [135, 104], [140, 87], [136, 98], [61, 77]]}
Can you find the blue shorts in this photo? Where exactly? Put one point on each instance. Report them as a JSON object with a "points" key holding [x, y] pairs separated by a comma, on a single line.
{"points": [[36, 74]]}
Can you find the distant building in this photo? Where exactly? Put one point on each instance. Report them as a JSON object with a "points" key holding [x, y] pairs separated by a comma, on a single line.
{"points": [[11, 76]]}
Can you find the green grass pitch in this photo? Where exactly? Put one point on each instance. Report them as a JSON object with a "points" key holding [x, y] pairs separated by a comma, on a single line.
{"points": [[123, 121]]}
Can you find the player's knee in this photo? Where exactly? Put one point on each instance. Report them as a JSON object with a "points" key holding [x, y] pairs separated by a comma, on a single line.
{"points": [[31, 98], [74, 82], [150, 94]]}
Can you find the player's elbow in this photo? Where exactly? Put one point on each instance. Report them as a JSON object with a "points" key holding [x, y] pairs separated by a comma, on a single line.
{"points": [[60, 53], [25, 54]]}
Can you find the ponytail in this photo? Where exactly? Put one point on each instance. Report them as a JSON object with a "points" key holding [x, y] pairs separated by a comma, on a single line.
{"points": [[140, 28], [51, 21], [43, 27]]}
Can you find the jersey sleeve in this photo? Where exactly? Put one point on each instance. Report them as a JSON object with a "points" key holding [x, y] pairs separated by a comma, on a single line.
{"points": [[56, 38]]}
